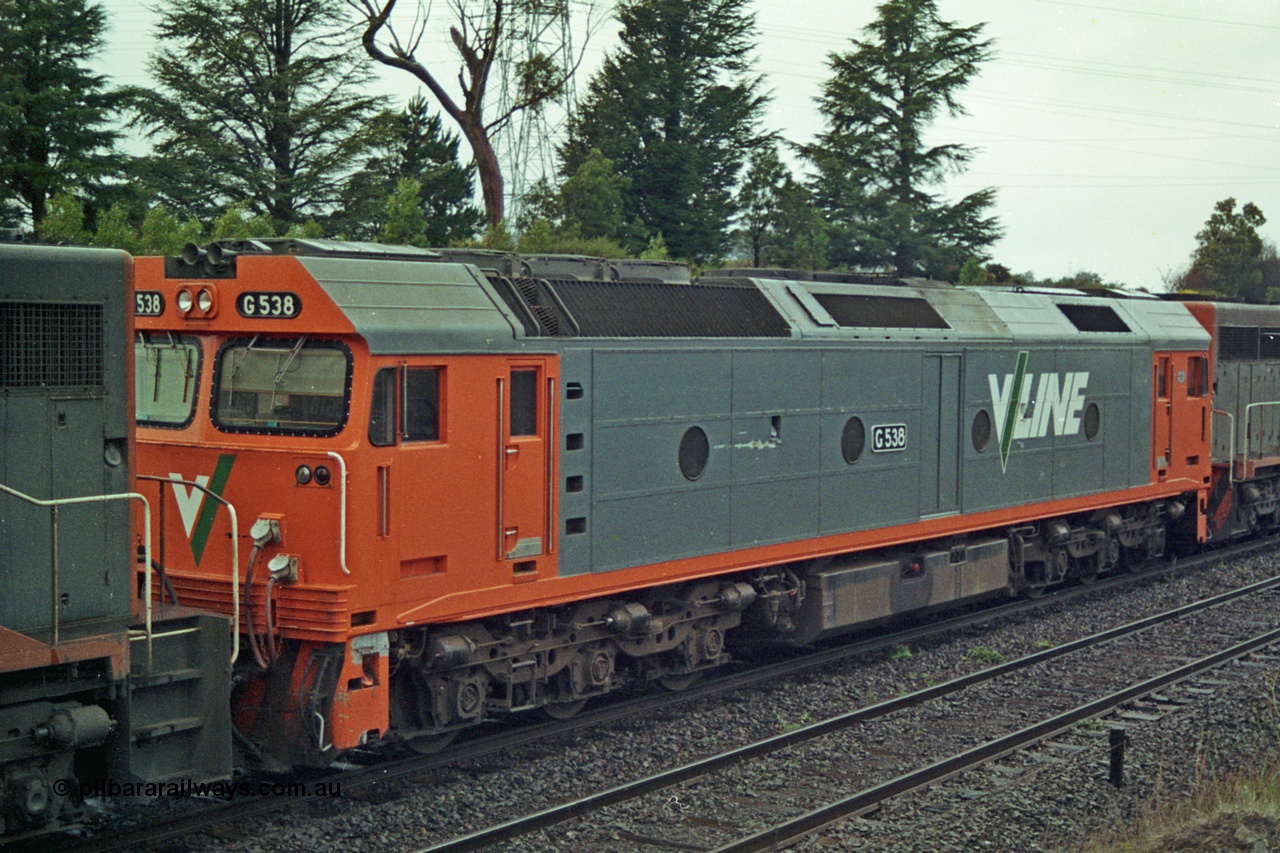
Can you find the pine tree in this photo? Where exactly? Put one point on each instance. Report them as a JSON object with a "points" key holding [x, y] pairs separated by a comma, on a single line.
{"points": [[259, 100], [414, 146], [758, 201], [676, 109], [56, 131], [876, 176]]}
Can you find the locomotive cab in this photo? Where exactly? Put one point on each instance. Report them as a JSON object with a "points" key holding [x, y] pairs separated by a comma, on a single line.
{"points": [[295, 391]]}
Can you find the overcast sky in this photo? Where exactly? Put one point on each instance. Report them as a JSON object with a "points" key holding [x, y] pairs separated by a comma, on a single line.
{"points": [[1108, 127]]}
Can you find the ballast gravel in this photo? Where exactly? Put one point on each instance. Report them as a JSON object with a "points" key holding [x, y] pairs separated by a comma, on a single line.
{"points": [[1048, 799]]}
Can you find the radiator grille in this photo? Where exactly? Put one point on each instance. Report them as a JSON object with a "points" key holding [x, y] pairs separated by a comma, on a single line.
{"points": [[50, 344], [629, 309]]}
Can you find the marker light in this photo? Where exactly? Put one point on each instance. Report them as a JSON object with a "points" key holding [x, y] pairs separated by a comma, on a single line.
{"points": [[302, 475], [322, 475]]}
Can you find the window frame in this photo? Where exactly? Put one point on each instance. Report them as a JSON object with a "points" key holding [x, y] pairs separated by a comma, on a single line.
{"points": [[140, 337], [281, 342]]}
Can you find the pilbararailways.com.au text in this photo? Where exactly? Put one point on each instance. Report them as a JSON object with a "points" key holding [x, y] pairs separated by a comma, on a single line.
{"points": [[223, 790]]}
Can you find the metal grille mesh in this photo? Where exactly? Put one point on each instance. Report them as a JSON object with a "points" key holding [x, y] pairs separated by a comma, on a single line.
{"points": [[625, 309], [1237, 343], [50, 344], [855, 311]]}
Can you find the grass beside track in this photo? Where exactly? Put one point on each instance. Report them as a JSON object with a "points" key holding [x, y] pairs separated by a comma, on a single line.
{"points": [[1237, 810]]}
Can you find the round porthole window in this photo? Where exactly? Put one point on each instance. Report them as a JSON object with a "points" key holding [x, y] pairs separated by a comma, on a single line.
{"points": [[853, 439], [694, 452], [1092, 421], [981, 432]]}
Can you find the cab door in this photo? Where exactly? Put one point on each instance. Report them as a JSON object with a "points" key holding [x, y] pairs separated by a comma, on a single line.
{"points": [[526, 400], [1161, 416]]}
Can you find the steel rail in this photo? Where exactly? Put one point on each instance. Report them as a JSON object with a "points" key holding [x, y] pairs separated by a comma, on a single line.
{"points": [[487, 744], [490, 836], [804, 824]]}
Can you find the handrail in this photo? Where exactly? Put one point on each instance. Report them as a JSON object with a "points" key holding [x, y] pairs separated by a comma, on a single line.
{"points": [[53, 504], [1231, 453], [235, 552], [342, 512], [1248, 410]]}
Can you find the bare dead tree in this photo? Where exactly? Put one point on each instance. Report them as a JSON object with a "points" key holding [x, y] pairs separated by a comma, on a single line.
{"points": [[476, 30]]}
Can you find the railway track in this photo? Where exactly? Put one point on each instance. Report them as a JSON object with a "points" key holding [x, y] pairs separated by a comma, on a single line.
{"points": [[645, 706], [694, 806]]}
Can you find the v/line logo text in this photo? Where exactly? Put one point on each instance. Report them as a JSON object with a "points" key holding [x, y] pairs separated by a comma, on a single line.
{"points": [[1054, 407]]}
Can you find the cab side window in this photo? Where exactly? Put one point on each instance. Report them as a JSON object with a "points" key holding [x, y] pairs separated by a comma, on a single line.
{"points": [[382, 419], [421, 404], [417, 390]]}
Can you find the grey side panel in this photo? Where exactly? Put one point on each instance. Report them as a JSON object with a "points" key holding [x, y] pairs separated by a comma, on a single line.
{"points": [[25, 552], [774, 445], [53, 435], [575, 461], [1044, 462], [878, 387], [643, 508]]}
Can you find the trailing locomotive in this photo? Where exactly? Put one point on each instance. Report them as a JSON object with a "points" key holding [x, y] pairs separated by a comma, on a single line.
{"points": [[481, 484], [96, 683]]}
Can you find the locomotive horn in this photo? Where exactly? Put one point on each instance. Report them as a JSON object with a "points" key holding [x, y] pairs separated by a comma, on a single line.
{"points": [[192, 254], [219, 254]]}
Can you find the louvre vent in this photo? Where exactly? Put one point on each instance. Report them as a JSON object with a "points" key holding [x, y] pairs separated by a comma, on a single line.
{"points": [[1094, 318], [631, 309], [50, 345], [856, 311]]}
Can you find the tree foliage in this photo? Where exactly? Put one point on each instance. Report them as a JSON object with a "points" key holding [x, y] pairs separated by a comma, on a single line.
{"points": [[778, 225], [676, 109], [875, 174], [1229, 257], [477, 29], [405, 224], [56, 116], [414, 147], [259, 100], [758, 201]]}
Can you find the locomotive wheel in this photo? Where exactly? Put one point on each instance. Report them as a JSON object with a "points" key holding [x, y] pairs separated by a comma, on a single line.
{"points": [[562, 710], [431, 744], [677, 683]]}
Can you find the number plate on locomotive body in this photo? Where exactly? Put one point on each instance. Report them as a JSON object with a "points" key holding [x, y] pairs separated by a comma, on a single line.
{"points": [[888, 438], [276, 305], [148, 303]]}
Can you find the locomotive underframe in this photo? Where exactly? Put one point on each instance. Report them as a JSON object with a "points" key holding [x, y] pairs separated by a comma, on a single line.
{"points": [[443, 679]]}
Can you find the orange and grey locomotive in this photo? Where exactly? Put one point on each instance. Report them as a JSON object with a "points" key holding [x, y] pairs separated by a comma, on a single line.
{"points": [[476, 484]]}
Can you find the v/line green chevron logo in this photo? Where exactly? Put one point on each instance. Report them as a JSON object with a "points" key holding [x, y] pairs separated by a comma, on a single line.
{"points": [[196, 510], [1055, 406]]}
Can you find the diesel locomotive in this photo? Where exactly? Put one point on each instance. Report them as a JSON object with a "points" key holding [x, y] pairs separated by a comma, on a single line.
{"points": [[471, 484], [97, 684], [380, 494]]}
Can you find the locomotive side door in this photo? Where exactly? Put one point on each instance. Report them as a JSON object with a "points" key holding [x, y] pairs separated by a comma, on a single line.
{"points": [[1161, 416], [526, 400], [940, 449]]}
